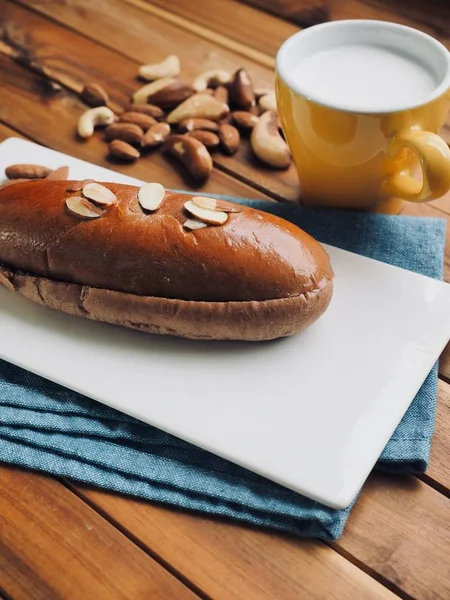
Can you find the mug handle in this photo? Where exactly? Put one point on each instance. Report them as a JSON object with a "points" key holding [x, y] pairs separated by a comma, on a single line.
{"points": [[434, 157]]}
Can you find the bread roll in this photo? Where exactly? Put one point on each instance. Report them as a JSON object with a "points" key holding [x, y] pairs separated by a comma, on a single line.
{"points": [[239, 274]]}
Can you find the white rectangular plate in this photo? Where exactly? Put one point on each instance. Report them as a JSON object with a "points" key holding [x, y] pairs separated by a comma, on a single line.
{"points": [[312, 412]]}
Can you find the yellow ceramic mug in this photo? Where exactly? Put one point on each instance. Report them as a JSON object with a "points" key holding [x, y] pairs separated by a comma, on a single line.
{"points": [[360, 104]]}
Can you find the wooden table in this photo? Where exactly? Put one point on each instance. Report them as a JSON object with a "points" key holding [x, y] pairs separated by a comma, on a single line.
{"points": [[63, 540]]}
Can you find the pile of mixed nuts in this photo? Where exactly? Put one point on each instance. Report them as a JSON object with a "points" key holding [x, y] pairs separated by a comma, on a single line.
{"points": [[188, 121]]}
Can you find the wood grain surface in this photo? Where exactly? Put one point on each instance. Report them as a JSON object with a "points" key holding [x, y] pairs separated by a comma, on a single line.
{"points": [[51, 541], [65, 540], [438, 473], [229, 562]]}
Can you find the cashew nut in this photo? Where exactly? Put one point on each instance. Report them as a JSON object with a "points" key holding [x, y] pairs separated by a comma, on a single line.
{"points": [[216, 76], [267, 143], [199, 105], [268, 101], [101, 115], [169, 67], [140, 97], [192, 154]]}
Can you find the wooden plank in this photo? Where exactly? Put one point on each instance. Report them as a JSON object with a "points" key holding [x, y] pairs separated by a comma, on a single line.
{"points": [[71, 59], [52, 546], [235, 21], [203, 32], [164, 27], [438, 473], [232, 562], [33, 107], [418, 14], [400, 529]]}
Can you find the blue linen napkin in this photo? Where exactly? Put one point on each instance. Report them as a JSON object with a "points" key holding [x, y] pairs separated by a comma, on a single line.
{"points": [[49, 428]]}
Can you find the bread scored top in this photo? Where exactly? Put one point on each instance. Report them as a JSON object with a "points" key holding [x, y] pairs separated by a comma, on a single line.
{"points": [[254, 256]]}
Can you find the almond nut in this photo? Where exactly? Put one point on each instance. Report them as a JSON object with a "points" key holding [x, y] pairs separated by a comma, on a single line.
{"points": [[99, 194], [76, 186], [148, 109], [156, 135], [171, 95], [142, 94], [193, 123], [212, 217], [229, 138], [25, 171], [216, 204], [94, 95], [151, 196], [59, 174], [123, 150], [192, 154], [267, 143], [241, 90], [208, 138], [211, 78], [128, 132], [137, 118], [194, 224], [169, 67], [83, 208], [205, 107], [244, 119]]}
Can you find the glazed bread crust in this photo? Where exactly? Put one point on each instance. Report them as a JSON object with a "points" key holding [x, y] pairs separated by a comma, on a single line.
{"points": [[256, 277]]}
